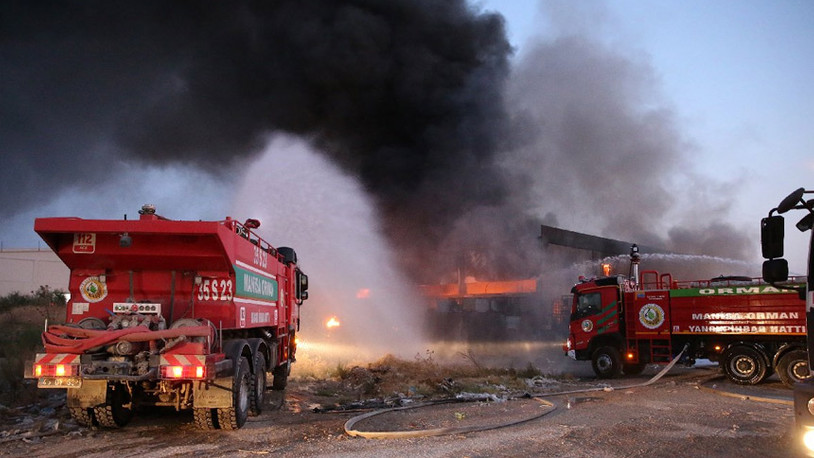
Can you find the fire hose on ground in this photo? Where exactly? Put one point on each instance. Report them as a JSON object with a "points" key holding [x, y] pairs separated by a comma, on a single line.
{"points": [[550, 407]]}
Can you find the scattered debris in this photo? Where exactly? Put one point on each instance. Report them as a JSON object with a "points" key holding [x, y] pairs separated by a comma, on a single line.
{"points": [[367, 404], [479, 397], [447, 385], [37, 430], [31, 422], [541, 382]]}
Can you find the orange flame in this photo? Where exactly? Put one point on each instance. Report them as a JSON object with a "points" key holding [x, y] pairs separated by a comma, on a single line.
{"points": [[332, 322]]}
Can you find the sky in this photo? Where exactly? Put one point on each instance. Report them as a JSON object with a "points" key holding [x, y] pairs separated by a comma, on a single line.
{"points": [[737, 74], [733, 77]]}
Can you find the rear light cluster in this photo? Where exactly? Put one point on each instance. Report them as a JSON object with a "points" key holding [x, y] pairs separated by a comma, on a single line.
{"points": [[56, 370], [183, 372]]}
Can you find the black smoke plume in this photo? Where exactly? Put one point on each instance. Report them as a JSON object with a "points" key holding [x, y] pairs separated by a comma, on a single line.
{"points": [[404, 94]]}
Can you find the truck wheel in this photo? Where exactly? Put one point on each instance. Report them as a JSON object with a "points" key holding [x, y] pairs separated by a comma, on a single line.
{"points": [[258, 389], [206, 418], [606, 362], [235, 417], [83, 417], [118, 408], [745, 365], [793, 368], [281, 376], [633, 369]]}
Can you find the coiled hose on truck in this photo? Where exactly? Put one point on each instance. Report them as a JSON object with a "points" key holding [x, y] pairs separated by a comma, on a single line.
{"points": [[74, 340]]}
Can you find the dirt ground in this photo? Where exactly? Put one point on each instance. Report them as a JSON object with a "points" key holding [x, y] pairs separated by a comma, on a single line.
{"points": [[678, 415]]}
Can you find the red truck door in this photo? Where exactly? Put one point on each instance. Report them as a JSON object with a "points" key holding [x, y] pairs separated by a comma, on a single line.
{"points": [[596, 312]]}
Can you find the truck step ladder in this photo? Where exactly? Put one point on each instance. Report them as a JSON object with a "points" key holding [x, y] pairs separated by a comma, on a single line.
{"points": [[660, 351]]}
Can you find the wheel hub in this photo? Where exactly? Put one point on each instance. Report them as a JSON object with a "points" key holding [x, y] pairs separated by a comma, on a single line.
{"points": [[744, 366], [604, 362], [800, 370]]}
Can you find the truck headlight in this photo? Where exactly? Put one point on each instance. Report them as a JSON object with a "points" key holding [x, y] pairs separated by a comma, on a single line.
{"points": [[808, 438]]}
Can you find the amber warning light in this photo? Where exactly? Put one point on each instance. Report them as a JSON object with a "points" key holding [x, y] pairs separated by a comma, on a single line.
{"points": [[183, 372], [55, 370]]}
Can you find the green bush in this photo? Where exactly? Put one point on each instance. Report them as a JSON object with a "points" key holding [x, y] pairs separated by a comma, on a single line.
{"points": [[43, 297], [14, 300]]}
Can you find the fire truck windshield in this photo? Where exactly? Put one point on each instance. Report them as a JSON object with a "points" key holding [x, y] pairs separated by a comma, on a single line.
{"points": [[588, 304]]}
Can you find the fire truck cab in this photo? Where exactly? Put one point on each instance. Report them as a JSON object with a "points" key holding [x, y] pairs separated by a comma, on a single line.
{"points": [[751, 327]]}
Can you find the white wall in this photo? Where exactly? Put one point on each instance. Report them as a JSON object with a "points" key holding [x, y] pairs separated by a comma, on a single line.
{"points": [[26, 270]]}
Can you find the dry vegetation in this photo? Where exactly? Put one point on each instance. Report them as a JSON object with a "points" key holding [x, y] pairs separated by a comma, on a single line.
{"points": [[22, 317], [390, 379]]}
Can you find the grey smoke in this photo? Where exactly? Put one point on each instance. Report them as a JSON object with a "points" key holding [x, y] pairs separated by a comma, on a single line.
{"points": [[595, 141]]}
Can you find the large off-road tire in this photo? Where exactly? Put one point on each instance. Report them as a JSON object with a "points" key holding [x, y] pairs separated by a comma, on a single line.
{"points": [[793, 368], [117, 410], [745, 365], [206, 418], [258, 388], [281, 373], [235, 417], [83, 417], [606, 362]]}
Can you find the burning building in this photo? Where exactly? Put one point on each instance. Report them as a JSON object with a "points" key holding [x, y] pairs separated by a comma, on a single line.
{"points": [[529, 308]]}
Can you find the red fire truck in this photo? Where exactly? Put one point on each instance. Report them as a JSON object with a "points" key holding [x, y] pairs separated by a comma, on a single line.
{"points": [[751, 327], [187, 314]]}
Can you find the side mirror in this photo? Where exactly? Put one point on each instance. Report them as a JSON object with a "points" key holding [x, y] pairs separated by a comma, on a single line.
{"points": [[771, 236], [775, 270], [301, 287], [806, 223], [791, 201]]}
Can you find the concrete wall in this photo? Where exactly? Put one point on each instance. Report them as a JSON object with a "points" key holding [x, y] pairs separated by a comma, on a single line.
{"points": [[26, 270]]}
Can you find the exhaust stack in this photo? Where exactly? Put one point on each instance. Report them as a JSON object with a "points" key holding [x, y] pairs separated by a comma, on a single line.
{"points": [[634, 265]]}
